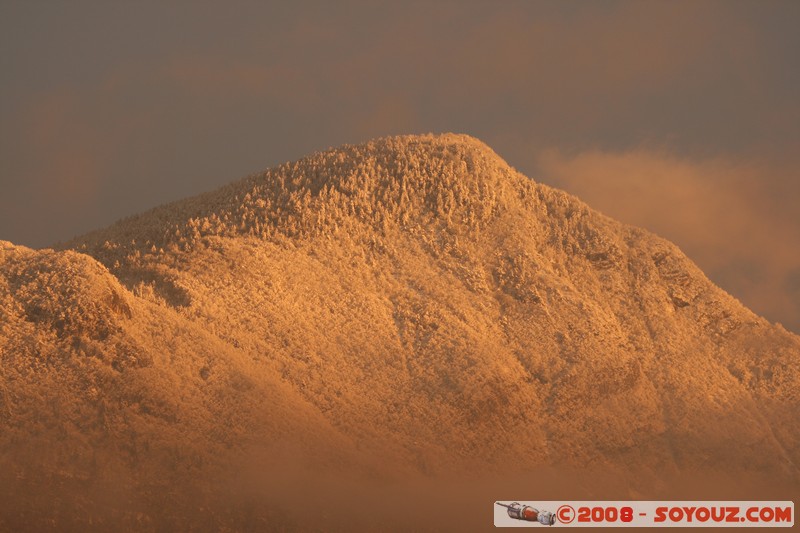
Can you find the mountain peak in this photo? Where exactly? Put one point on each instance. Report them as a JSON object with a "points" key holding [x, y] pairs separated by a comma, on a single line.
{"points": [[428, 145], [393, 180]]}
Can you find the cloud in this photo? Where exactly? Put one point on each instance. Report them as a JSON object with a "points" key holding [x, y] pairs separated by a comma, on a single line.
{"points": [[175, 102], [735, 218]]}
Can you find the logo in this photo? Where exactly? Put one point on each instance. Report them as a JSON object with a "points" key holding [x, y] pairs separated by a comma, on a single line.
{"points": [[527, 513], [641, 514]]}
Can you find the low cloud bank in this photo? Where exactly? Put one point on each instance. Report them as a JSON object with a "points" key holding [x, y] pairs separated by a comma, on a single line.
{"points": [[735, 218]]}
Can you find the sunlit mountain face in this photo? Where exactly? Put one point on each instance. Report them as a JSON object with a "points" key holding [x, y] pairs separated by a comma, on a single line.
{"points": [[409, 321]]}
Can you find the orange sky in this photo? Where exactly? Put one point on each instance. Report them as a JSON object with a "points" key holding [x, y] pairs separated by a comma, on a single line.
{"points": [[108, 108]]}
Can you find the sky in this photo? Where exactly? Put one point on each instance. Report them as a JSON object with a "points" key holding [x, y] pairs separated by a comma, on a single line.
{"points": [[682, 117]]}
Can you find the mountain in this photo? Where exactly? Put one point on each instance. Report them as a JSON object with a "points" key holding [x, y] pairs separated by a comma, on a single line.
{"points": [[376, 319]]}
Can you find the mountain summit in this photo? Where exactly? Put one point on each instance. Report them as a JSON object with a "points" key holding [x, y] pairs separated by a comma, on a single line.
{"points": [[411, 306]]}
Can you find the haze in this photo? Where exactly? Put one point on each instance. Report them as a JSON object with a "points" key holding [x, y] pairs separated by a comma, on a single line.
{"points": [[681, 117]]}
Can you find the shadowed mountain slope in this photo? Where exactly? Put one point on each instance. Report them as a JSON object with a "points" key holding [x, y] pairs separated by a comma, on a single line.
{"points": [[409, 306]]}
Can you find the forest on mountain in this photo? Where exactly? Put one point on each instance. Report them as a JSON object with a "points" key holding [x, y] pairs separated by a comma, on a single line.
{"points": [[408, 320]]}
